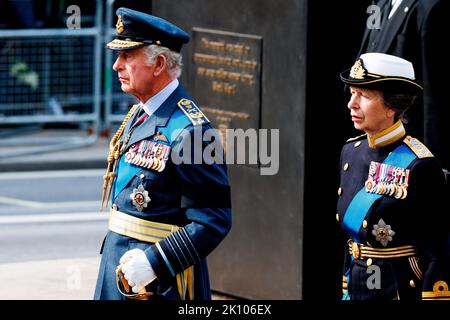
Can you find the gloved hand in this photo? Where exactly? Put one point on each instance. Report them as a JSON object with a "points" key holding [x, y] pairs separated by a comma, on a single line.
{"points": [[137, 269]]}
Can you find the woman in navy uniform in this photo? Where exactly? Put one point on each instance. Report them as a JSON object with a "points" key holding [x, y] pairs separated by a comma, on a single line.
{"points": [[391, 191], [168, 212]]}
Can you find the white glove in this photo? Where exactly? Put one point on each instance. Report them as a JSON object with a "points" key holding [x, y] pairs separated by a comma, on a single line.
{"points": [[137, 269]]}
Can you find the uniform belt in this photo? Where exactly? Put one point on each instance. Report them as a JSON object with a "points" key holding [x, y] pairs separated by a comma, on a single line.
{"points": [[139, 229], [149, 231], [360, 251]]}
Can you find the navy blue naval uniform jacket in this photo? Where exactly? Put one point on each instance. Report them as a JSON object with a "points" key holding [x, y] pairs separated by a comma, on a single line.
{"points": [[194, 196], [417, 220]]}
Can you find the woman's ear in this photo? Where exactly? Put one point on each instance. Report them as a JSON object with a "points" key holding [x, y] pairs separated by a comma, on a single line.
{"points": [[390, 113]]}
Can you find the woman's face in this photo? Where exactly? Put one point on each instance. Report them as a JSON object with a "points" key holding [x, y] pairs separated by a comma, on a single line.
{"points": [[369, 112]]}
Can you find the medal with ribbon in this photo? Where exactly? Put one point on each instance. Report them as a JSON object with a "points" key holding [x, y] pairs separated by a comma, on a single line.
{"points": [[149, 155], [385, 179]]}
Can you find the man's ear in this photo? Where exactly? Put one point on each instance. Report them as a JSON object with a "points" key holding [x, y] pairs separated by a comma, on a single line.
{"points": [[160, 65]]}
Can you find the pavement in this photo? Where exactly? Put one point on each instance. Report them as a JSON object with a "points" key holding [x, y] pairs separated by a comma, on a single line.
{"points": [[62, 279], [53, 149]]}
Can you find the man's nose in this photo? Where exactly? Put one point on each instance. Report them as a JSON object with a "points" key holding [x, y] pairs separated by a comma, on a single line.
{"points": [[118, 64]]}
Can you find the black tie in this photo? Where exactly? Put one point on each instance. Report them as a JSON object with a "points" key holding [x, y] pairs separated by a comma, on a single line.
{"points": [[141, 112], [385, 14]]}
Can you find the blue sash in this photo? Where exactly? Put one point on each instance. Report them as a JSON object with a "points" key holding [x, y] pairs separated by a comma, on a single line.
{"points": [[126, 171], [402, 156]]}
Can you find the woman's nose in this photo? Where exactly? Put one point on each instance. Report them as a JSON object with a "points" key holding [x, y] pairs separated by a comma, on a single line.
{"points": [[352, 102]]}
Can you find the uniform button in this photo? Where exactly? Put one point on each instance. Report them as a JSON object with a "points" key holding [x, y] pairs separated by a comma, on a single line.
{"points": [[142, 176], [357, 144], [364, 225], [339, 191], [369, 262], [337, 217], [412, 284], [346, 167]]}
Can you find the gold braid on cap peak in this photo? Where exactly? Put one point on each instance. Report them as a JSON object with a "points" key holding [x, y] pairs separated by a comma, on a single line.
{"points": [[115, 151]]}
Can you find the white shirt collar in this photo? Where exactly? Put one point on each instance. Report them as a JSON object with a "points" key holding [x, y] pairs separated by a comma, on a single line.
{"points": [[152, 104], [395, 5]]}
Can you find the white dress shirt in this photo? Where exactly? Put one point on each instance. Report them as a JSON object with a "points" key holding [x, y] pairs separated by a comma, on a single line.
{"points": [[152, 104], [395, 5]]}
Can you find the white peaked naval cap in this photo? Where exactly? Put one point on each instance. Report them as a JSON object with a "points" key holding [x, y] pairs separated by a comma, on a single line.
{"points": [[387, 65], [380, 71]]}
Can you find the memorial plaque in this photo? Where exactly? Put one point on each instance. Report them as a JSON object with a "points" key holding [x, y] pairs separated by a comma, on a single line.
{"points": [[246, 67], [227, 76]]}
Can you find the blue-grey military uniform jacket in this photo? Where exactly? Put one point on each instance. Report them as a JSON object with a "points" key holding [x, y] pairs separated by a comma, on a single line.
{"points": [[193, 196], [417, 218]]}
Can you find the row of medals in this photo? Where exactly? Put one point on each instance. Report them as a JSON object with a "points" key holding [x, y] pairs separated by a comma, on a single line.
{"points": [[388, 180], [148, 154]]}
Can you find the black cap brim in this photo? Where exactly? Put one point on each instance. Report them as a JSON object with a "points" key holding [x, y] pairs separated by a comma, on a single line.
{"points": [[393, 84]]}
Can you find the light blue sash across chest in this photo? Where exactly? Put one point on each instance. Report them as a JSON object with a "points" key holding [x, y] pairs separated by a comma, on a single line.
{"points": [[360, 205]]}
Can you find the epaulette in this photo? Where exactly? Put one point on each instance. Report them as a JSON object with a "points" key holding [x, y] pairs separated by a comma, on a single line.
{"points": [[190, 109], [356, 138], [417, 147]]}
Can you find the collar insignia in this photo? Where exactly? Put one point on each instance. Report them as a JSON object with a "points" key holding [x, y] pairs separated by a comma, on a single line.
{"points": [[358, 71]]}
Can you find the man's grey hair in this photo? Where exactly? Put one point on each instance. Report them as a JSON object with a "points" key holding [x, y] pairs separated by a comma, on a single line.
{"points": [[174, 59]]}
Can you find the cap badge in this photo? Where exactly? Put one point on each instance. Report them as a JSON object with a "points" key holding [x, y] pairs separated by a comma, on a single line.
{"points": [[358, 71], [119, 25]]}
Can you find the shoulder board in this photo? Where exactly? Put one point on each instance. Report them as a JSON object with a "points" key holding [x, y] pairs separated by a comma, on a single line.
{"points": [[190, 109], [356, 138], [417, 147]]}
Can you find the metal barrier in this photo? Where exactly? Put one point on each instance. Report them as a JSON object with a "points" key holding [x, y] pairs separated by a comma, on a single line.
{"points": [[52, 76]]}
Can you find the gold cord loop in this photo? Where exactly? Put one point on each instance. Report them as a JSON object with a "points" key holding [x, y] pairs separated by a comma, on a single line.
{"points": [[113, 156]]}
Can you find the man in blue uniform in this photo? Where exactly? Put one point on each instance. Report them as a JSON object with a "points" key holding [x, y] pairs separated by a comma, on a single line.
{"points": [[392, 189], [166, 216]]}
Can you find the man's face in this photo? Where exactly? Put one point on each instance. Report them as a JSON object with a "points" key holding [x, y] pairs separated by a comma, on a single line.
{"points": [[368, 111], [135, 75]]}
